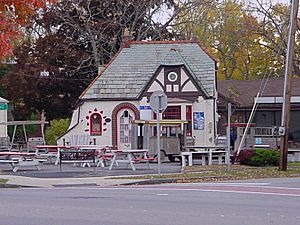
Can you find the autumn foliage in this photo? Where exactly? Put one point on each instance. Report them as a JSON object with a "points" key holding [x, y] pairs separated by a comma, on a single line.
{"points": [[13, 15]]}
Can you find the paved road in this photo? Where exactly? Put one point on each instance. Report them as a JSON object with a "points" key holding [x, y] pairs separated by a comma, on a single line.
{"points": [[261, 202]]}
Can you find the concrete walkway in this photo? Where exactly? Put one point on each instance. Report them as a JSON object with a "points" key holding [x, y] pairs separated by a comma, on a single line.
{"points": [[65, 182], [50, 175]]}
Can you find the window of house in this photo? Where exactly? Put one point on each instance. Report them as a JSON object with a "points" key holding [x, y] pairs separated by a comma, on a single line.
{"points": [[172, 113], [96, 124]]}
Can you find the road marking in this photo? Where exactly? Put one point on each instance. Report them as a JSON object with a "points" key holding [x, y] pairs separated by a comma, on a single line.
{"points": [[261, 192], [258, 184], [238, 188], [277, 191], [212, 184]]}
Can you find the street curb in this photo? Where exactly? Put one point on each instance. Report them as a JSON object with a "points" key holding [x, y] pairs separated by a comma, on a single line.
{"points": [[10, 186], [152, 181], [172, 180]]}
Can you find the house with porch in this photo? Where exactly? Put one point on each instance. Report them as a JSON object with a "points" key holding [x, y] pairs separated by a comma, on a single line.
{"points": [[120, 93], [242, 95]]}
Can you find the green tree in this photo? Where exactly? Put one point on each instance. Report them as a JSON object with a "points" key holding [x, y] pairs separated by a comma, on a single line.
{"points": [[14, 15], [233, 35], [56, 129], [273, 30], [71, 40], [4, 69]]}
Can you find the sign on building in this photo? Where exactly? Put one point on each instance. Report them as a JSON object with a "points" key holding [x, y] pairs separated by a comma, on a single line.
{"points": [[199, 121], [3, 106]]}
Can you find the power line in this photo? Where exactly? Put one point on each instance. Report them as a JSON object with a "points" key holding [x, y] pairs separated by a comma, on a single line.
{"points": [[59, 78]]}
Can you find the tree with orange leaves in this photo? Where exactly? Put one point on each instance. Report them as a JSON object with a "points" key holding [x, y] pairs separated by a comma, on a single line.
{"points": [[13, 15]]}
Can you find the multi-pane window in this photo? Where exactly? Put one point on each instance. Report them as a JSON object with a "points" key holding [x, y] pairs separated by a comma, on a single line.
{"points": [[96, 124], [125, 127], [172, 113]]}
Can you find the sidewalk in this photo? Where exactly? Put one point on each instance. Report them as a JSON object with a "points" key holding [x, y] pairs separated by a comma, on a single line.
{"points": [[23, 181], [50, 175]]}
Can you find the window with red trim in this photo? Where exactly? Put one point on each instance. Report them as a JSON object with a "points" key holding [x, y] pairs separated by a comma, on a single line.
{"points": [[172, 113], [96, 124]]}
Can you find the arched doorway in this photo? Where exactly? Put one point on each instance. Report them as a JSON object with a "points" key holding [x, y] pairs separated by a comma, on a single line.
{"points": [[122, 116], [125, 117]]}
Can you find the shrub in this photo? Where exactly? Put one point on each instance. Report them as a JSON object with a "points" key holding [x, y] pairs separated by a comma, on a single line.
{"points": [[245, 155], [260, 157], [56, 129]]}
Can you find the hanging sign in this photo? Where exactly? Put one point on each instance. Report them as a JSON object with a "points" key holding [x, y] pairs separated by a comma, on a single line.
{"points": [[3, 106]]}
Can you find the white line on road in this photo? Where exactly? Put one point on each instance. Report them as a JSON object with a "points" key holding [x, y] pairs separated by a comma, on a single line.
{"points": [[179, 189]]}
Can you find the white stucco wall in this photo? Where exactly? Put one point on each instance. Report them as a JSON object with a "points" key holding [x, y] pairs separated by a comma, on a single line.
{"points": [[205, 136], [202, 137], [82, 127], [3, 118]]}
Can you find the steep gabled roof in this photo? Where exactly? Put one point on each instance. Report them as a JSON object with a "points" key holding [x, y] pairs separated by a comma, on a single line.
{"points": [[132, 68]]}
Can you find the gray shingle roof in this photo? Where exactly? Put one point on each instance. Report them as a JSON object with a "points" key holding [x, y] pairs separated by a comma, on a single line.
{"points": [[130, 71]]}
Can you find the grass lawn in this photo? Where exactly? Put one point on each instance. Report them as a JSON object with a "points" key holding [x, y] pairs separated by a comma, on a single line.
{"points": [[3, 181], [220, 173]]}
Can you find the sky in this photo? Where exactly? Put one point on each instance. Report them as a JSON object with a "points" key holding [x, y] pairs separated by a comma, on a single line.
{"points": [[281, 1]]}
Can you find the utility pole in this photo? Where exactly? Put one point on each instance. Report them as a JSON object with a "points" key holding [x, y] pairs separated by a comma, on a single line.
{"points": [[285, 120]]}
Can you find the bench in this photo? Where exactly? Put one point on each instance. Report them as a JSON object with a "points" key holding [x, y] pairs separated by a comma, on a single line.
{"points": [[75, 155], [138, 160], [293, 155], [261, 146], [210, 155], [16, 163], [130, 156]]}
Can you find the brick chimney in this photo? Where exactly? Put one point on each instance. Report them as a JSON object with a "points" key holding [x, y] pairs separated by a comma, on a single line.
{"points": [[126, 38]]}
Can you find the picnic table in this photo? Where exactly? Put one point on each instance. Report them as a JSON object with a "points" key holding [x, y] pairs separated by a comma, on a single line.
{"points": [[77, 155], [49, 151], [85, 155], [206, 153], [130, 157], [293, 155], [54, 151], [20, 159]]}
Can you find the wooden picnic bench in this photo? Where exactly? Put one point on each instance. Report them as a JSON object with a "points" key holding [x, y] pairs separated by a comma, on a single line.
{"points": [[21, 159], [130, 157], [207, 154], [85, 155]]}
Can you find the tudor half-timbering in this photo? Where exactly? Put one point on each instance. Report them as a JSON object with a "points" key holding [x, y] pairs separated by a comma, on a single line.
{"points": [[121, 92]]}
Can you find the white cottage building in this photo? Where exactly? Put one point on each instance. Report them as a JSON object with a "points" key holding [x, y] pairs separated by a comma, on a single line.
{"points": [[121, 91]]}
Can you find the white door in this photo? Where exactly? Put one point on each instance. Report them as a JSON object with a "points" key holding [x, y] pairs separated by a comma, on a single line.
{"points": [[125, 117]]}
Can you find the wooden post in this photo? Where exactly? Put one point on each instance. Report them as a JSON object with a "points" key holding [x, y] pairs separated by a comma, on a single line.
{"points": [[285, 120]]}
